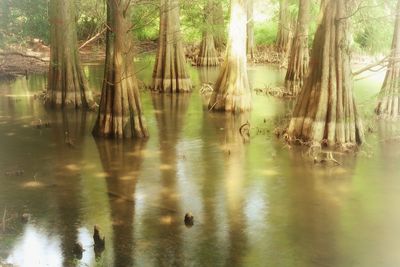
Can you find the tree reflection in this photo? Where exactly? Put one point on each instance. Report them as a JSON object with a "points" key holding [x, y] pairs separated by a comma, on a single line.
{"points": [[122, 164], [68, 125]]}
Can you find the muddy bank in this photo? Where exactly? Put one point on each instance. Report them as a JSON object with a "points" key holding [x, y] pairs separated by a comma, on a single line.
{"points": [[35, 58]]}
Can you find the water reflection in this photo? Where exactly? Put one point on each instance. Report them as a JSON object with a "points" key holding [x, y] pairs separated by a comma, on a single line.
{"points": [[170, 114], [256, 203], [121, 163], [68, 131]]}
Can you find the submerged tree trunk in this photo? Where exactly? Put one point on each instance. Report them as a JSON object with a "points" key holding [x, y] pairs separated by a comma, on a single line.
{"points": [[283, 37], [232, 91], [170, 71], [388, 105], [120, 113], [250, 29], [66, 84], [298, 60], [325, 110], [208, 55]]}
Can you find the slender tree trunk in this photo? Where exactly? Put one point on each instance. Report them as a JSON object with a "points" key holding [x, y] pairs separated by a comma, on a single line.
{"points": [[325, 110], [66, 84], [219, 25], [298, 61], [250, 29], [120, 113], [283, 38], [388, 105], [208, 55], [232, 91], [170, 71]]}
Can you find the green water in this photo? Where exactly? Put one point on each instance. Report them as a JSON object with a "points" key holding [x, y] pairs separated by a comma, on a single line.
{"points": [[254, 204]]}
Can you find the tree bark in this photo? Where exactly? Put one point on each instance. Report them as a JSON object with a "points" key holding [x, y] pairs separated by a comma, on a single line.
{"points": [[120, 112], [219, 25], [232, 91], [299, 55], [388, 105], [66, 84], [250, 29], [283, 39], [170, 71], [325, 110], [208, 55]]}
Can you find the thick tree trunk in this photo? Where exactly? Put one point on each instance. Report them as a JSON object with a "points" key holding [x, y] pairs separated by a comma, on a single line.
{"points": [[250, 29], [298, 60], [120, 112], [325, 110], [66, 84], [232, 91], [219, 25], [388, 105], [208, 55], [170, 71], [283, 38]]}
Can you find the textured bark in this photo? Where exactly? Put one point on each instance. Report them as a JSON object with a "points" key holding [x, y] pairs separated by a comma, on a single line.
{"points": [[283, 38], [170, 71], [299, 55], [219, 25], [66, 84], [120, 113], [388, 105], [250, 29], [208, 55], [232, 91], [325, 110]]}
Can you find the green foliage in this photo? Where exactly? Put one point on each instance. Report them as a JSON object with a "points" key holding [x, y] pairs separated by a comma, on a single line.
{"points": [[373, 26], [91, 17], [145, 19], [23, 19], [265, 33]]}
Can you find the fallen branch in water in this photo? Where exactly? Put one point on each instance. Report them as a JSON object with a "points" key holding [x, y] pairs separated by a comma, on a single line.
{"points": [[94, 38]]}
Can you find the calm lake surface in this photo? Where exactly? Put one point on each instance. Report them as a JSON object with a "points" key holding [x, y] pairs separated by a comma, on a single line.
{"points": [[254, 204]]}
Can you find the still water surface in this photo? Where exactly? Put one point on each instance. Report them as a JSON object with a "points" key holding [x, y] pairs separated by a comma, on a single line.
{"points": [[255, 204]]}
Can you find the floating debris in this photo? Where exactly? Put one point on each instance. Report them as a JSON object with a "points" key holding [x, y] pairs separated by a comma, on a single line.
{"points": [[78, 250], [98, 241], [189, 219]]}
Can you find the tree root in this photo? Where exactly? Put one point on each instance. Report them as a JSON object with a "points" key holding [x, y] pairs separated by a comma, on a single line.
{"points": [[244, 131], [279, 92]]}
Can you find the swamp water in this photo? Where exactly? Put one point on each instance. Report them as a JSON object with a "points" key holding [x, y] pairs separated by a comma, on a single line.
{"points": [[254, 204]]}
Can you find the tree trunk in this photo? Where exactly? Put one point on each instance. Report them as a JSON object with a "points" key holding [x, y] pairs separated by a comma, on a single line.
{"points": [[208, 55], [219, 25], [120, 113], [250, 29], [66, 84], [325, 110], [283, 38], [298, 61], [388, 105], [232, 91], [170, 71]]}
